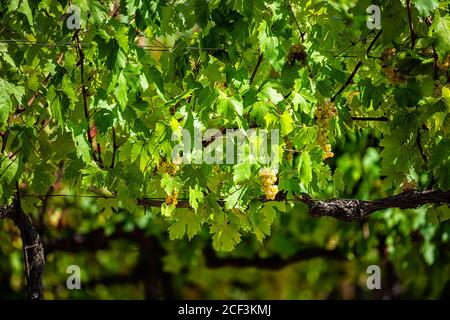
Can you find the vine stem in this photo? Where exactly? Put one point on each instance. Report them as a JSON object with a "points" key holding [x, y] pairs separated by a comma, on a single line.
{"points": [[114, 147], [419, 145], [355, 70], [370, 119], [302, 34], [85, 102], [341, 209], [410, 23], [260, 58]]}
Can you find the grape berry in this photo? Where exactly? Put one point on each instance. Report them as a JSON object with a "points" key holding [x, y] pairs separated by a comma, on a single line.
{"points": [[324, 113], [268, 180]]}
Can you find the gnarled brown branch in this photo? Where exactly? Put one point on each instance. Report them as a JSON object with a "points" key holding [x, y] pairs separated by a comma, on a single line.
{"points": [[346, 209], [350, 209], [33, 249]]}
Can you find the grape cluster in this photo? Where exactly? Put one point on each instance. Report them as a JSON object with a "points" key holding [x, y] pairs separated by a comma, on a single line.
{"points": [[351, 95], [427, 51], [394, 75], [297, 53], [170, 168], [444, 66], [172, 198], [327, 150], [324, 113], [268, 179], [408, 185], [437, 92], [195, 65], [387, 54]]}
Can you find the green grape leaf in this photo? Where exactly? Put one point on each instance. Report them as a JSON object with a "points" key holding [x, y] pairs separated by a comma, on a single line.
{"points": [[271, 47], [304, 168], [262, 220], [286, 123], [440, 30], [195, 197], [234, 199], [426, 7], [186, 222], [225, 234], [242, 172], [107, 205], [269, 94], [170, 184], [121, 91]]}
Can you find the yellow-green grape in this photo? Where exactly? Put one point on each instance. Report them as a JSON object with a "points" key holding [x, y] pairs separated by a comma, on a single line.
{"points": [[169, 168], [427, 51], [172, 198], [444, 66], [394, 75], [437, 92], [327, 151], [268, 180], [324, 114], [408, 185], [195, 65], [388, 54]]}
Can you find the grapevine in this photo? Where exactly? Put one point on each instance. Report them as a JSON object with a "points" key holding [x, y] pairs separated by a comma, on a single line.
{"points": [[352, 115]]}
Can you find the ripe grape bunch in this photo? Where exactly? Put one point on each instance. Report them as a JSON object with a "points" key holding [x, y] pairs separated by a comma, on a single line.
{"points": [[394, 75], [171, 169], [172, 198], [408, 185], [445, 65], [437, 88], [268, 179], [324, 113], [168, 167], [297, 53]]}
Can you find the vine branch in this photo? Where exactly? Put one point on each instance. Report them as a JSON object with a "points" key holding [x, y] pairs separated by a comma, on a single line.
{"points": [[370, 119], [260, 58], [350, 209], [355, 70], [33, 249], [346, 209], [302, 34], [114, 148], [85, 102], [419, 145], [410, 23]]}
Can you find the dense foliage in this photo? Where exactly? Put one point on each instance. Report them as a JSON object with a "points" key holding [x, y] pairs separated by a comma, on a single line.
{"points": [[89, 119]]}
